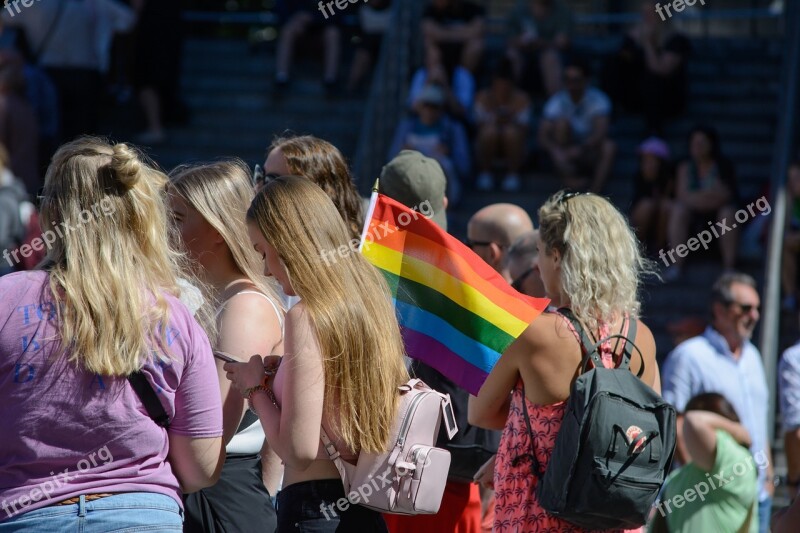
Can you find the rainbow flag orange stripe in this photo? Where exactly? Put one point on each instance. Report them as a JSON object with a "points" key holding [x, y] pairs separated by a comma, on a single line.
{"points": [[456, 313]]}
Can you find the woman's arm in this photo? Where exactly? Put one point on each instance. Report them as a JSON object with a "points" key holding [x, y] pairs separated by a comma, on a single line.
{"points": [[293, 431], [248, 326], [489, 409], [196, 462], [699, 431]]}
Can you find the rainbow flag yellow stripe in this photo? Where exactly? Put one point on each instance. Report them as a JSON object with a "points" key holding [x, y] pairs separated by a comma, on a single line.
{"points": [[457, 314]]}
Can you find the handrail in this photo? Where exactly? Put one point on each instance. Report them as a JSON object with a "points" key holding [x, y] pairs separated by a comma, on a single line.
{"points": [[231, 17], [695, 14], [268, 17], [786, 136]]}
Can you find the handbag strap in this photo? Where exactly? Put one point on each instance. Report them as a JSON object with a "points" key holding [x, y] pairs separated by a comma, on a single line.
{"points": [[149, 398], [335, 456]]}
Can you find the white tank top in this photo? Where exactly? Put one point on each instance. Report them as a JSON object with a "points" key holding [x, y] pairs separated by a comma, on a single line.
{"points": [[250, 439]]}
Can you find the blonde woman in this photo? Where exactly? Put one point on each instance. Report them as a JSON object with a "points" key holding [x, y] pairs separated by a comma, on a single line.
{"points": [[343, 362], [80, 451], [589, 261], [208, 203]]}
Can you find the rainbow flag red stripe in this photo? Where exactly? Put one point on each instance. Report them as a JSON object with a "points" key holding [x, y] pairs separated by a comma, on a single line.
{"points": [[457, 314]]}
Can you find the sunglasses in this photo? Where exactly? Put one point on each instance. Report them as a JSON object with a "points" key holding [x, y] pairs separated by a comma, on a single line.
{"points": [[260, 178], [472, 244], [746, 308], [517, 283], [571, 194]]}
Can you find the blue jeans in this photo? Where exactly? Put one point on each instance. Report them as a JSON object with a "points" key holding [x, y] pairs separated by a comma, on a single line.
{"points": [[764, 515], [121, 513]]}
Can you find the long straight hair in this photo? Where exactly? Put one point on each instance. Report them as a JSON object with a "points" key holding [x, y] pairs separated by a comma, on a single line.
{"points": [[350, 307], [110, 263], [222, 192]]}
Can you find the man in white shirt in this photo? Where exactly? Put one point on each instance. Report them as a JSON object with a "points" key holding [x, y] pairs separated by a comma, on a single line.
{"points": [[574, 131], [723, 360]]}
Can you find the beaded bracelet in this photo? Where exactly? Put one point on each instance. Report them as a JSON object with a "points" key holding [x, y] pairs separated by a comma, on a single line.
{"points": [[262, 387]]}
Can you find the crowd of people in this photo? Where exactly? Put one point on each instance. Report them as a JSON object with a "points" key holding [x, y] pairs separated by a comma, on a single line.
{"points": [[127, 341], [217, 262]]}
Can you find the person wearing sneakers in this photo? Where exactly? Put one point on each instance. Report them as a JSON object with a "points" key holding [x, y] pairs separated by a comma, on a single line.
{"points": [[436, 134], [502, 116], [574, 131]]}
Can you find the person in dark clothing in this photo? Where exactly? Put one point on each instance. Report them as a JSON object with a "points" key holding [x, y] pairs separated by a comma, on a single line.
{"points": [[648, 74], [455, 29], [157, 67], [654, 190]]}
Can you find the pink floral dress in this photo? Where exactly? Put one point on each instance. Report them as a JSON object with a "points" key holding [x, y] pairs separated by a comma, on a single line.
{"points": [[516, 507]]}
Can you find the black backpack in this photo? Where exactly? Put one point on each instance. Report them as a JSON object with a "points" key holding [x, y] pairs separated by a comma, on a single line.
{"points": [[614, 448]]}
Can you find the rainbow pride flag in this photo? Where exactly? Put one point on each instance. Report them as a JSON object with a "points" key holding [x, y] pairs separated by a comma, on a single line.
{"points": [[456, 313]]}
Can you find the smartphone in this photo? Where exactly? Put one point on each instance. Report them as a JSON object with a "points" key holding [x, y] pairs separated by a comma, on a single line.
{"points": [[228, 358]]}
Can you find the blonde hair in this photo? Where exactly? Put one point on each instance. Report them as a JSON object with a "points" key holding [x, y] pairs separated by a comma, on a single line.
{"points": [[221, 192], [601, 259], [108, 269], [350, 307]]}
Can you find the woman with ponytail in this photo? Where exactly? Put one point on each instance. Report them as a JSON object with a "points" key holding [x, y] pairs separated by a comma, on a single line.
{"points": [[82, 449]]}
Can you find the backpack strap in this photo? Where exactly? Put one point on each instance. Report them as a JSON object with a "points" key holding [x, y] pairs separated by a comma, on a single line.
{"points": [[591, 350], [587, 347], [536, 468], [149, 398]]}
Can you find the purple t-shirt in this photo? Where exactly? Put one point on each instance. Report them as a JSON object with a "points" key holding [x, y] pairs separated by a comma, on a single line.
{"points": [[65, 432]]}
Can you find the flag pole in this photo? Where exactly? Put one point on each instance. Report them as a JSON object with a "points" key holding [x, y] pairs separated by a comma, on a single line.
{"points": [[370, 210]]}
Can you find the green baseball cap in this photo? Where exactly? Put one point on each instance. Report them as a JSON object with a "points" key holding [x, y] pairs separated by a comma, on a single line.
{"points": [[413, 179]]}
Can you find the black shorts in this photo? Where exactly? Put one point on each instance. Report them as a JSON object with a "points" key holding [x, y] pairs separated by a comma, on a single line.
{"points": [[310, 507], [237, 502]]}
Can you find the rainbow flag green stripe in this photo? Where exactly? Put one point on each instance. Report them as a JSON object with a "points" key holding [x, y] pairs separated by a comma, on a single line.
{"points": [[456, 313], [444, 286], [428, 299]]}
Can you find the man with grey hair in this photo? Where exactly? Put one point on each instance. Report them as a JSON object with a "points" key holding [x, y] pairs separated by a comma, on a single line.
{"points": [[723, 360], [492, 230], [522, 267]]}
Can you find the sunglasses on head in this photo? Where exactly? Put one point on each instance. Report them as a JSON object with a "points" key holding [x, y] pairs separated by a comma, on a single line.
{"points": [[571, 194], [260, 178]]}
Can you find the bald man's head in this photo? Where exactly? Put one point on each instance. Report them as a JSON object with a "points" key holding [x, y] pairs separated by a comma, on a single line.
{"points": [[493, 229]]}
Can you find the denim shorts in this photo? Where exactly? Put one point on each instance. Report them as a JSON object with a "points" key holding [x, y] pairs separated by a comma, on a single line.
{"points": [[121, 513], [310, 507]]}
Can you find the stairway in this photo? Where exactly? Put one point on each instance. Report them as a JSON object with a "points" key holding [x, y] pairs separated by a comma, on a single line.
{"points": [[739, 97], [227, 87]]}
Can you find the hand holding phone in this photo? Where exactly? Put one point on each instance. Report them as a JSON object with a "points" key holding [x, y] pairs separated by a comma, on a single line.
{"points": [[223, 356]]}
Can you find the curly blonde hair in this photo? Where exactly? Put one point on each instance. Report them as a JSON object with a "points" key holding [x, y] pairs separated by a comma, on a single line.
{"points": [[602, 263]]}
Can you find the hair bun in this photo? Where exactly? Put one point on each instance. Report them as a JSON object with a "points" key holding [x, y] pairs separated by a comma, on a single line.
{"points": [[126, 165]]}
